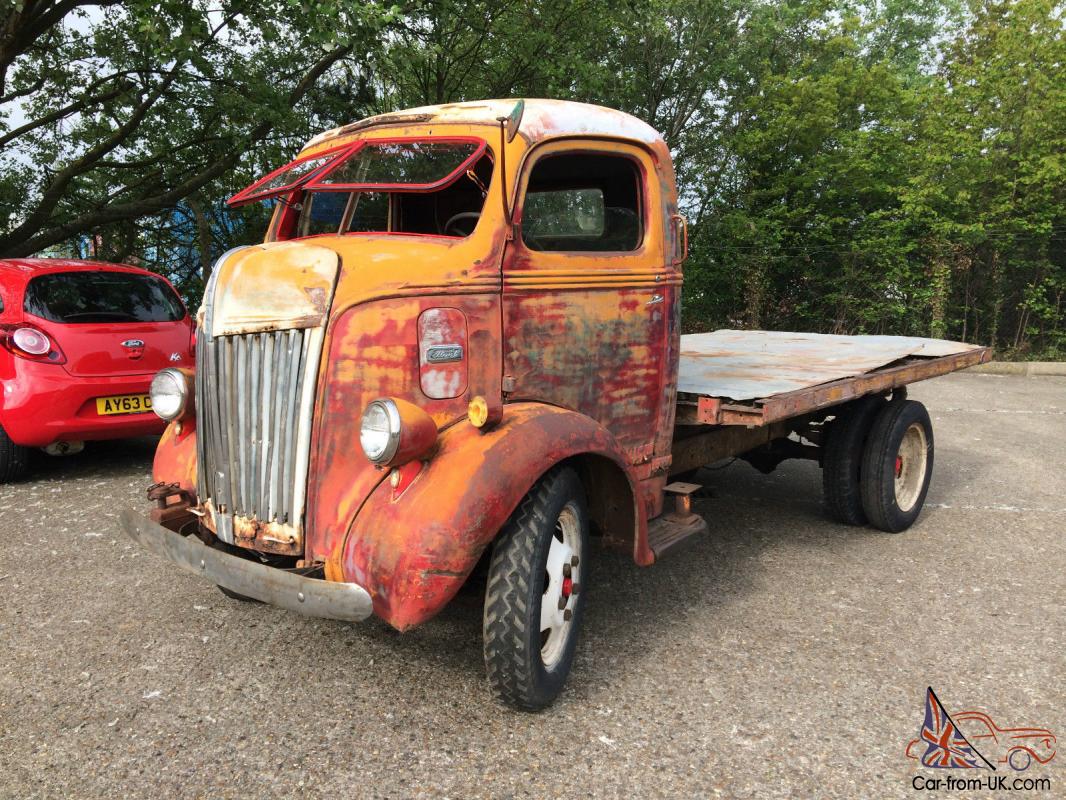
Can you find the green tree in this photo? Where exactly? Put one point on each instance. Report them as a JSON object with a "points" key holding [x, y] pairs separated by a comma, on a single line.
{"points": [[112, 112]]}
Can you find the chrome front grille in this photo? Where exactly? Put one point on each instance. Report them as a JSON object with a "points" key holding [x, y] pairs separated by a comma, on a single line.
{"points": [[254, 398]]}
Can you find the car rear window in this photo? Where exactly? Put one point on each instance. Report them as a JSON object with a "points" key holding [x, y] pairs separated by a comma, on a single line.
{"points": [[102, 296]]}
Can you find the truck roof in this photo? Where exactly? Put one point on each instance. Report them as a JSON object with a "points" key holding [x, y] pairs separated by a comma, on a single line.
{"points": [[542, 119]]}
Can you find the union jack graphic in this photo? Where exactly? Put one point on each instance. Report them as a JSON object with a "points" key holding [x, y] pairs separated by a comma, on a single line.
{"points": [[946, 747]]}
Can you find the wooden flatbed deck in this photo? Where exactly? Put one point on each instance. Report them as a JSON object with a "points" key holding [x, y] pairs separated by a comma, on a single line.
{"points": [[755, 378]]}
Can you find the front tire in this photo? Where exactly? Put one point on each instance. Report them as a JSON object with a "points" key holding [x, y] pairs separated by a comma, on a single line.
{"points": [[535, 597], [14, 459], [897, 466]]}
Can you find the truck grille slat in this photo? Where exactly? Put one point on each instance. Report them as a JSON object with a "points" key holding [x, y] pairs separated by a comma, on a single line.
{"points": [[244, 376], [289, 459], [254, 394], [230, 407], [254, 430], [265, 398]]}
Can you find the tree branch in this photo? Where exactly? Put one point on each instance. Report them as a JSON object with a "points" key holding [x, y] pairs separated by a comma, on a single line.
{"points": [[12, 247]]}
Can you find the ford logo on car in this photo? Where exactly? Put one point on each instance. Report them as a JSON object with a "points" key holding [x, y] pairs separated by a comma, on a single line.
{"points": [[133, 343], [444, 353]]}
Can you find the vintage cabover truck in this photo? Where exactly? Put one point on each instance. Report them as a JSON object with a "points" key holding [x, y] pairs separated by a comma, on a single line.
{"points": [[459, 343]]}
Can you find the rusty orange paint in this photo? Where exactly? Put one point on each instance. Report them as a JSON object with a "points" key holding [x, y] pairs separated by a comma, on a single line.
{"points": [[372, 353], [443, 355], [413, 552], [573, 355], [175, 456], [286, 285]]}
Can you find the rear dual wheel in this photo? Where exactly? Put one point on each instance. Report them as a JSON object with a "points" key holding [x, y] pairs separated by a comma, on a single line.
{"points": [[842, 460], [877, 464], [897, 465]]}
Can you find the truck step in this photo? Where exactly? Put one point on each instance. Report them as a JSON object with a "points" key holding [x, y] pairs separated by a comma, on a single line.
{"points": [[677, 525]]}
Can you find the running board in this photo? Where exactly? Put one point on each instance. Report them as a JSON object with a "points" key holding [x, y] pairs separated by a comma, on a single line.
{"points": [[675, 526]]}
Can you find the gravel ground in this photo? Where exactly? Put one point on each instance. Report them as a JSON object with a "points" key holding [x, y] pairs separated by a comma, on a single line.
{"points": [[780, 656]]}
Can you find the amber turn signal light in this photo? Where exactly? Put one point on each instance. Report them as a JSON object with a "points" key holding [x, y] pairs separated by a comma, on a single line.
{"points": [[482, 415]]}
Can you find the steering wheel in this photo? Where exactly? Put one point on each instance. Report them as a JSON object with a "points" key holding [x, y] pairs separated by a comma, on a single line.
{"points": [[461, 217]]}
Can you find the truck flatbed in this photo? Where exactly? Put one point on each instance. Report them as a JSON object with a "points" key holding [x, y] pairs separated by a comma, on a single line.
{"points": [[754, 378]]}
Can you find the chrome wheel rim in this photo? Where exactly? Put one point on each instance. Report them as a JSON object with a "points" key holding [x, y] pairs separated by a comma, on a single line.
{"points": [[912, 460], [562, 574]]}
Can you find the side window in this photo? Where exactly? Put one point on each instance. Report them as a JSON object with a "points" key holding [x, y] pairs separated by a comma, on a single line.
{"points": [[583, 202], [322, 212]]}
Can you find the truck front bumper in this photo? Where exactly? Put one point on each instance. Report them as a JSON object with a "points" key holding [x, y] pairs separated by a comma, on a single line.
{"points": [[309, 596]]}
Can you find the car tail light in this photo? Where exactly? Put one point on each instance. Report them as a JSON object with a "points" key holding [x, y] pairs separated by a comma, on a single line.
{"points": [[192, 342], [30, 343]]}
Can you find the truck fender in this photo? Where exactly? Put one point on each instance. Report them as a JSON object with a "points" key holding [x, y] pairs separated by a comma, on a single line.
{"points": [[412, 546], [175, 456]]}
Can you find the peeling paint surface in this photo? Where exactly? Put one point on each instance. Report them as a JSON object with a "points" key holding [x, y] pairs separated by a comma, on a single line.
{"points": [[175, 456], [414, 553], [442, 331], [277, 286], [374, 352]]}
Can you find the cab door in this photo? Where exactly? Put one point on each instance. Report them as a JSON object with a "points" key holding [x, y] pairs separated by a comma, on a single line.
{"points": [[590, 299]]}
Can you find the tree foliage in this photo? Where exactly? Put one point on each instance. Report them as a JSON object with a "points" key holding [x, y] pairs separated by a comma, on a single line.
{"points": [[883, 166]]}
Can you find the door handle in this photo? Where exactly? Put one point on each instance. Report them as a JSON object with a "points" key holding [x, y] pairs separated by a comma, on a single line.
{"points": [[680, 226]]}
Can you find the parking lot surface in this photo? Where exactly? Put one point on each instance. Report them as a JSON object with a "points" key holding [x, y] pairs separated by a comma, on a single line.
{"points": [[782, 655]]}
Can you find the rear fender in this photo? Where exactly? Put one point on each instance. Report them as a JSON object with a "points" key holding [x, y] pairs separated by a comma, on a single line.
{"points": [[413, 547]]}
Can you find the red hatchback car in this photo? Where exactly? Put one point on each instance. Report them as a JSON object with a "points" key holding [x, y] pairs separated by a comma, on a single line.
{"points": [[79, 344]]}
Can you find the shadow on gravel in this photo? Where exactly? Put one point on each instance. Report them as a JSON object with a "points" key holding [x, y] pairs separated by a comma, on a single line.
{"points": [[98, 459], [636, 614]]}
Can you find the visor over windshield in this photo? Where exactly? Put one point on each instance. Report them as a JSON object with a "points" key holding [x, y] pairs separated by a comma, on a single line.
{"points": [[397, 165]]}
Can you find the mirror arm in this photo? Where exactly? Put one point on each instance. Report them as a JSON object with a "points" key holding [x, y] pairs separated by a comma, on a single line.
{"points": [[503, 175]]}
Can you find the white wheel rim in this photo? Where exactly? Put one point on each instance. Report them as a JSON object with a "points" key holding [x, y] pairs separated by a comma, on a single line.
{"points": [[562, 576], [912, 460]]}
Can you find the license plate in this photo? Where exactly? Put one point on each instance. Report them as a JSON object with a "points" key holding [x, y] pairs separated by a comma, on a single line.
{"points": [[123, 404]]}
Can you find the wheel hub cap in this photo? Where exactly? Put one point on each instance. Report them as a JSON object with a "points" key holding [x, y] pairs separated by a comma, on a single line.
{"points": [[912, 461], [561, 584]]}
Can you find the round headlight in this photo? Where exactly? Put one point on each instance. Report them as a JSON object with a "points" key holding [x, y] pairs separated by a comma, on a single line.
{"points": [[379, 433], [169, 393]]}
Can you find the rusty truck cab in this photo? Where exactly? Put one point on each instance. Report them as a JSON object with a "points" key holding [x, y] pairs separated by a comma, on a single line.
{"points": [[450, 302]]}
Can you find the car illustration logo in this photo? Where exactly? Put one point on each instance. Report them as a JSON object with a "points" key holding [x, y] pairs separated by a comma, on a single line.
{"points": [[952, 742], [133, 343]]}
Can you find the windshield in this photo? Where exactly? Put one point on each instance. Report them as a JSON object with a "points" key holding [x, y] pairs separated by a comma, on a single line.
{"points": [[287, 177], [399, 164], [402, 165], [102, 296]]}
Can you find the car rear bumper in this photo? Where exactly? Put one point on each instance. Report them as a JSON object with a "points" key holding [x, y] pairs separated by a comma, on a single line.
{"points": [[309, 596], [43, 403]]}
